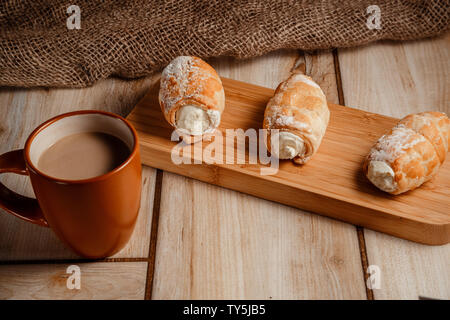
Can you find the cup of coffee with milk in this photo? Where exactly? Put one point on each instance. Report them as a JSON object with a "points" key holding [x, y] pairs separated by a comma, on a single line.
{"points": [[85, 171]]}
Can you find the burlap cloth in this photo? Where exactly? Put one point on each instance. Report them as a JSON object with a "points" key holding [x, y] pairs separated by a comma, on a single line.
{"points": [[135, 38]]}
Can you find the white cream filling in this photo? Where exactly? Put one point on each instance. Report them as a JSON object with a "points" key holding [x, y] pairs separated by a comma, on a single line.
{"points": [[195, 120], [290, 145], [382, 176]]}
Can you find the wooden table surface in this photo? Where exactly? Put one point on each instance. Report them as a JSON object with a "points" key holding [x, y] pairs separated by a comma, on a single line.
{"points": [[198, 241]]}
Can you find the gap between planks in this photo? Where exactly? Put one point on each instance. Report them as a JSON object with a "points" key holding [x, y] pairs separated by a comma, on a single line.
{"points": [[153, 236], [359, 230]]}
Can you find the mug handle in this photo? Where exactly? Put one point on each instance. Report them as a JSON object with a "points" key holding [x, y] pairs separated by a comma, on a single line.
{"points": [[23, 207]]}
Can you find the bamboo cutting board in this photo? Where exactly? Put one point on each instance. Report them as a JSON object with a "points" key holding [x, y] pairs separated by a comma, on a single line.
{"points": [[331, 183]]}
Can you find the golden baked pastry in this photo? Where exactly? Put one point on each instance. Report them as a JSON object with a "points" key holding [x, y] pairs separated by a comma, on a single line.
{"points": [[191, 96], [300, 112], [410, 154]]}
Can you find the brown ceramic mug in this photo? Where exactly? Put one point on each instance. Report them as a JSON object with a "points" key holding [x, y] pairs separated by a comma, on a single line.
{"points": [[95, 217]]}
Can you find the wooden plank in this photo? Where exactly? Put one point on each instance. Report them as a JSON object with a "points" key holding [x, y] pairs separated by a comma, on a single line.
{"points": [[396, 79], [101, 280], [349, 137], [24, 109], [215, 243]]}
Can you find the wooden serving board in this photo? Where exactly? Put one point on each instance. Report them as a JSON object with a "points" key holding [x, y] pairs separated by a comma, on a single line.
{"points": [[331, 183]]}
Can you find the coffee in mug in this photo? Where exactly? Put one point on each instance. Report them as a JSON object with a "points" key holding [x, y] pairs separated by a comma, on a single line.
{"points": [[83, 155]]}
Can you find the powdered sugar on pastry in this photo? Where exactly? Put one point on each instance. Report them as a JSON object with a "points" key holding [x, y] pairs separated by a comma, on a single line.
{"points": [[177, 71], [299, 110], [410, 154], [389, 147], [191, 95]]}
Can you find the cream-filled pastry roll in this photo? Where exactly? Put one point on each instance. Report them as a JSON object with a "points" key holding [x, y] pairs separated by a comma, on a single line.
{"points": [[410, 154], [300, 112], [191, 96]]}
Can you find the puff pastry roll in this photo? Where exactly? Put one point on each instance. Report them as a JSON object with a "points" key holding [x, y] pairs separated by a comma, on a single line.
{"points": [[300, 112], [410, 154], [191, 96]]}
